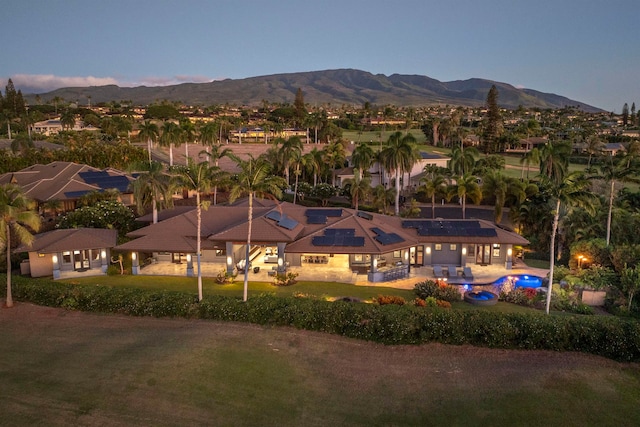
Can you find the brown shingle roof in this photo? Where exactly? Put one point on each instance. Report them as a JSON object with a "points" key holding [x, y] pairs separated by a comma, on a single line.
{"points": [[72, 239]]}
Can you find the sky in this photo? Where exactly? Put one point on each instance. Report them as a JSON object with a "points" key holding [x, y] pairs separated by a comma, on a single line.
{"points": [[586, 50]]}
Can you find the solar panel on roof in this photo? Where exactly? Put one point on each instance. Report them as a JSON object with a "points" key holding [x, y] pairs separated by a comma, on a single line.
{"points": [[325, 212], [317, 219], [365, 215], [274, 215], [288, 223]]}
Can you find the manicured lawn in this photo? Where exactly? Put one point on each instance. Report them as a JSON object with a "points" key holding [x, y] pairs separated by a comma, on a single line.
{"points": [[63, 368], [210, 287]]}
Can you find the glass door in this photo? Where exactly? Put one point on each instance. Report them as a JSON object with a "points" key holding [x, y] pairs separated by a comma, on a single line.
{"points": [[483, 254]]}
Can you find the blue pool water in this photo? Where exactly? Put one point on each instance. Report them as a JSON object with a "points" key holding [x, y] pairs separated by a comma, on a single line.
{"points": [[482, 295], [521, 281]]}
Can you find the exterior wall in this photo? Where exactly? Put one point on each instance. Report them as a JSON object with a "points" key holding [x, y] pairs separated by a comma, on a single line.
{"points": [[40, 266], [445, 254]]}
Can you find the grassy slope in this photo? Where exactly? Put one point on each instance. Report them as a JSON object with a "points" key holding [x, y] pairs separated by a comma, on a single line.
{"points": [[68, 368]]}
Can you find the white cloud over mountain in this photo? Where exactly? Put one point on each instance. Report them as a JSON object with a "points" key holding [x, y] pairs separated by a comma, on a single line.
{"points": [[40, 83]]}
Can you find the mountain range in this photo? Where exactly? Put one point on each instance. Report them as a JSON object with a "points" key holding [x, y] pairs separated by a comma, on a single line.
{"points": [[338, 87]]}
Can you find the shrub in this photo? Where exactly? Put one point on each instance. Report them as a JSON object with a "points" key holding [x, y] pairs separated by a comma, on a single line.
{"points": [[443, 304], [390, 299], [224, 277], [286, 279], [439, 290], [419, 302]]}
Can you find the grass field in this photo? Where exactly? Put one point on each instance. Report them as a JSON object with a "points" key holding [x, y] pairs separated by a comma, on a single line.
{"points": [[69, 368]]}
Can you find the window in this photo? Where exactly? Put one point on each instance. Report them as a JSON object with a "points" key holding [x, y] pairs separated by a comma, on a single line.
{"points": [[496, 250], [357, 258], [95, 255], [438, 247], [471, 250], [221, 252], [66, 257], [453, 247], [396, 254]]}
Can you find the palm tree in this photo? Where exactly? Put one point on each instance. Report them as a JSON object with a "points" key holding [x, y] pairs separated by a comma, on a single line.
{"points": [[189, 133], [383, 197], [572, 189], [152, 186], [399, 155], [150, 132], [362, 157], [433, 184], [554, 159], [466, 186], [290, 151], [360, 187], [494, 185], [208, 134], [463, 159], [334, 155], [612, 171], [200, 178], [254, 180], [17, 216], [68, 119], [594, 148], [171, 136], [313, 164], [215, 153], [531, 156]]}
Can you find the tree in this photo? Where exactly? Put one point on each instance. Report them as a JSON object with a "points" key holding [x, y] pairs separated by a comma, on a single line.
{"points": [[18, 217], [359, 187], [215, 153], [594, 148], [612, 171], [200, 178], [313, 164], [399, 155], [572, 189], [432, 185], [630, 282], [300, 109], [101, 214], [466, 186], [152, 187], [149, 131], [188, 134], [68, 119], [462, 160], [625, 115], [383, 197], [554, 160], [254, 180], [531, 156], [362, 157], [171, 136], [492, 122], [334, 155], [494, 186]]}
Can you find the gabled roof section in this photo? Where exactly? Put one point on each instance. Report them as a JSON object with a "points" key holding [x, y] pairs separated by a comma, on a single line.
{"points": [[66, 180], [72, 239]]}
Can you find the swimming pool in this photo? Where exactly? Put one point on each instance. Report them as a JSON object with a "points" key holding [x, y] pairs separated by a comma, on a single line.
{"points": [[521, 281]]}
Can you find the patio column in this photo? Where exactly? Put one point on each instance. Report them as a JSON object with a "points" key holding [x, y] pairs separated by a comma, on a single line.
{"points": [[229, 251], [103, 260], [281, 265], [509, 260], [55, 259], [405, 260], [427, 254], [189, 265], [135, 263], [463, 256], [374, 264]]}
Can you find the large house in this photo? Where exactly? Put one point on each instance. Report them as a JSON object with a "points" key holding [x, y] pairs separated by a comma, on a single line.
{"points": [[287, 236], [379, 176], [67, 182]]}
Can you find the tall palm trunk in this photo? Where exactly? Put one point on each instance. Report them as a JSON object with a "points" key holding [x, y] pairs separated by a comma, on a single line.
{"points": [[9, 301], [556, 218], [246, 258], [613, 183], [198, 244], [171, 154], [149, 148], [433, 206], [154, 208], [397, 192]]}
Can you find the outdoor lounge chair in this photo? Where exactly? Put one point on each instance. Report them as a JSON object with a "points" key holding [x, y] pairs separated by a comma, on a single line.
{"points": [[466, 272], [437, 271], [452, 271]]}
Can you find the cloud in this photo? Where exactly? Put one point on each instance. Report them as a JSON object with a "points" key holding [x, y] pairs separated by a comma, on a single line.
{"points": [[40, 83]]}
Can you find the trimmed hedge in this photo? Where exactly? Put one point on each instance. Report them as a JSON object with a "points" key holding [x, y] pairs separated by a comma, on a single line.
{"points": [[610, 337]]}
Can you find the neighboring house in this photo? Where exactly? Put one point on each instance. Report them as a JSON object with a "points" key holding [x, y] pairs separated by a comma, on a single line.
{"points": [[67, 182], [78, 251], [295, 236], [379, 176], [527, 144], [612, 148], [54, 126], [259, 134]]}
